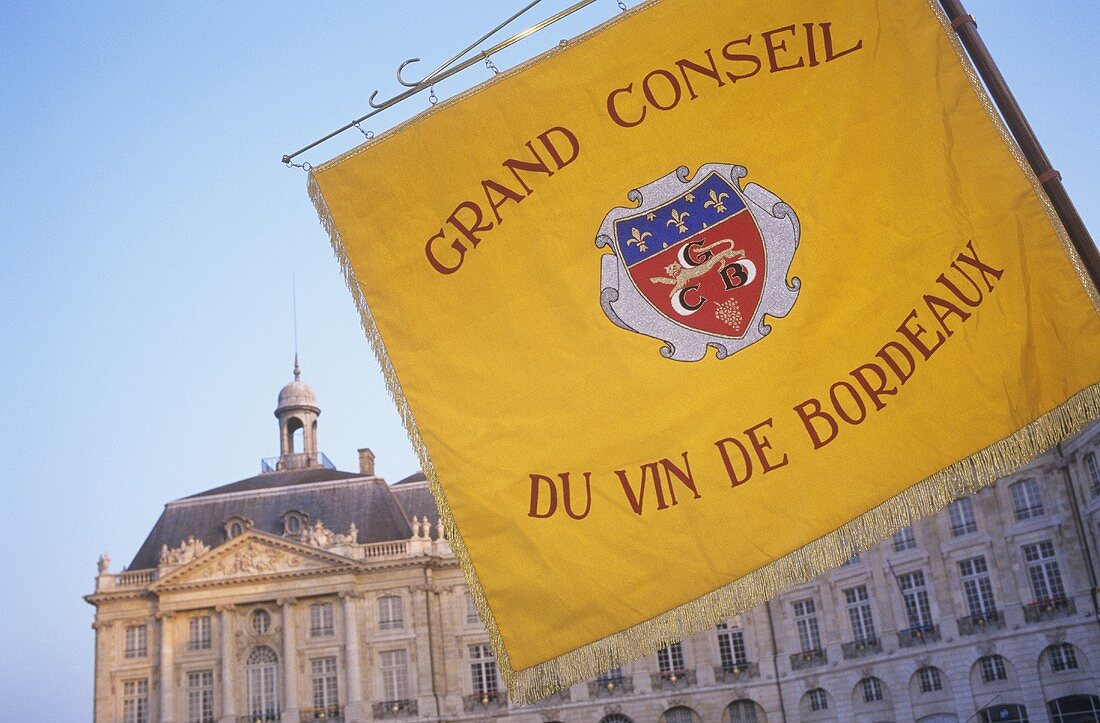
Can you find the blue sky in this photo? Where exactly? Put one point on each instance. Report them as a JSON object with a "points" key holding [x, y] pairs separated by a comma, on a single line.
{"points": [[150, 237]]}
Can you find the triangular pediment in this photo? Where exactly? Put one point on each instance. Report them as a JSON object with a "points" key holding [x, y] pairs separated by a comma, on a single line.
{"points": [[249, 556]]}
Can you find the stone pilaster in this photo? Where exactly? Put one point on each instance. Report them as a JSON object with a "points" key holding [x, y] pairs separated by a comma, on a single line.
{"points": [[290, 662], [227, 632], [355, 712], [167, 667]]}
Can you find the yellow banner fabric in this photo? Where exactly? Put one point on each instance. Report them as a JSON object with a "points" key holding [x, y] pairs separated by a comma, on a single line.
{"points": [[696, 306]]}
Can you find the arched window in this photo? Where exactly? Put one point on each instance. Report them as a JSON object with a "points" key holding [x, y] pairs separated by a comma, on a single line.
{"points": [[296, 432], [294, 523], [993, 668], [816, 700], [1062, 657], [1010, 713], [616, 718], [680, 714], [262, 672], [872, 690], [743, 711], [236, 526], [929, 679], [1075, 709]]}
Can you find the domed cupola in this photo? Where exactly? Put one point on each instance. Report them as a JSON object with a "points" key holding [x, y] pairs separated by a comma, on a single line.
{"points": [[297, 410]]}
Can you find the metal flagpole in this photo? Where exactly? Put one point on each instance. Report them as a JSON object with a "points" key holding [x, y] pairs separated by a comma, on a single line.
{"points": [[964, 24]]}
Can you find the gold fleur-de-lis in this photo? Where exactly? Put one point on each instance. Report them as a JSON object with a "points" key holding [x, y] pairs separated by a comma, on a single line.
{"points": [[650, 216], [638, 238], [690, 198], [716, 200], [678, 221]]}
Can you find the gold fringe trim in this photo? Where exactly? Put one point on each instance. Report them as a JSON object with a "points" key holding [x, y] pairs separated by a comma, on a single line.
{"points": [[924, 498]]}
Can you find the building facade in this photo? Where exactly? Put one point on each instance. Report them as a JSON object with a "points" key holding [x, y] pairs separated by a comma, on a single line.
{"points": [[307, 593]]}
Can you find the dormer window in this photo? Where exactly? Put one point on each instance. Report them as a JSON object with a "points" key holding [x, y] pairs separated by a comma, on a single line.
{"points": [[295, 522], [236, 526]]}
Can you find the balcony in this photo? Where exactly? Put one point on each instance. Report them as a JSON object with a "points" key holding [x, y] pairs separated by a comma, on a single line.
{"points": [[809, 659], [736, 672], [861, 648], [604, 687], [485, 700], [332, 713], [918, 635], [1049, 609], [558, 696], [269, 717], [672, 679], [978, 624], [395, 709]]}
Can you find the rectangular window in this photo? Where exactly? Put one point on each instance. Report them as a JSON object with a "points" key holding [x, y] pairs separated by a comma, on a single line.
{"points": [[993, 669], [805, 616], [198, 633], [137, 641], [135, 701], [321, 620], [395, 675], [731, 647], [670, 659], [322, 674], [976, 586], [915, 596], [904, 539], [1062, 658], [391, 616], [1042, 570], [929, 679], [859, 614], [1094, 472], [200, 696], [961, 513], [1026, 499], [483, 670], [472, 617]]}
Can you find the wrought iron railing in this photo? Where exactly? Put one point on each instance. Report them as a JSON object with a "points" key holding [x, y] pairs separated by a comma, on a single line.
{"points": [[809, 659], [1049, 609], [297, 460], [735, 672], [268, 717], [981, 622], [485, 699], [918, 635], [558, 696], [609, 686], [395, 709], [861, 648], [672, 679], [331, 713]]}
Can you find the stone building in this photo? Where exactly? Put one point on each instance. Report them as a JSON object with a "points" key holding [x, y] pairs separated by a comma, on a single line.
{"points": [[307, 593]]}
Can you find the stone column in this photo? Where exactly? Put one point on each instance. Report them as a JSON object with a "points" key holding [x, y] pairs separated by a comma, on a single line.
{"points": [[227, 632], [356, 710], [290, 662], [167, 664]]}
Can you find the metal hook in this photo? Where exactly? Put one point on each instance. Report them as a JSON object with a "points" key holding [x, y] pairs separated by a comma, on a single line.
{"points": [[372, 104], [402, 67]]}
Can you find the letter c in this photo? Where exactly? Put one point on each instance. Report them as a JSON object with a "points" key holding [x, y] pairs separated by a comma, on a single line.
{"points": [[614, 112], [436, 263]]}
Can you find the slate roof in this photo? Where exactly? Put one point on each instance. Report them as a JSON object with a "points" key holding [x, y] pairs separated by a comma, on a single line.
{"points": [[417, 501], [336, 498]]}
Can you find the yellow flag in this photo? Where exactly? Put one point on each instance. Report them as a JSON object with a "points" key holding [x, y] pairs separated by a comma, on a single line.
{"points": [[694, 307]]}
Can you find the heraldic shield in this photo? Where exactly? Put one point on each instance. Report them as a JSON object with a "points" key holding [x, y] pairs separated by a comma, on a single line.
{"points": [[698, 263]]}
